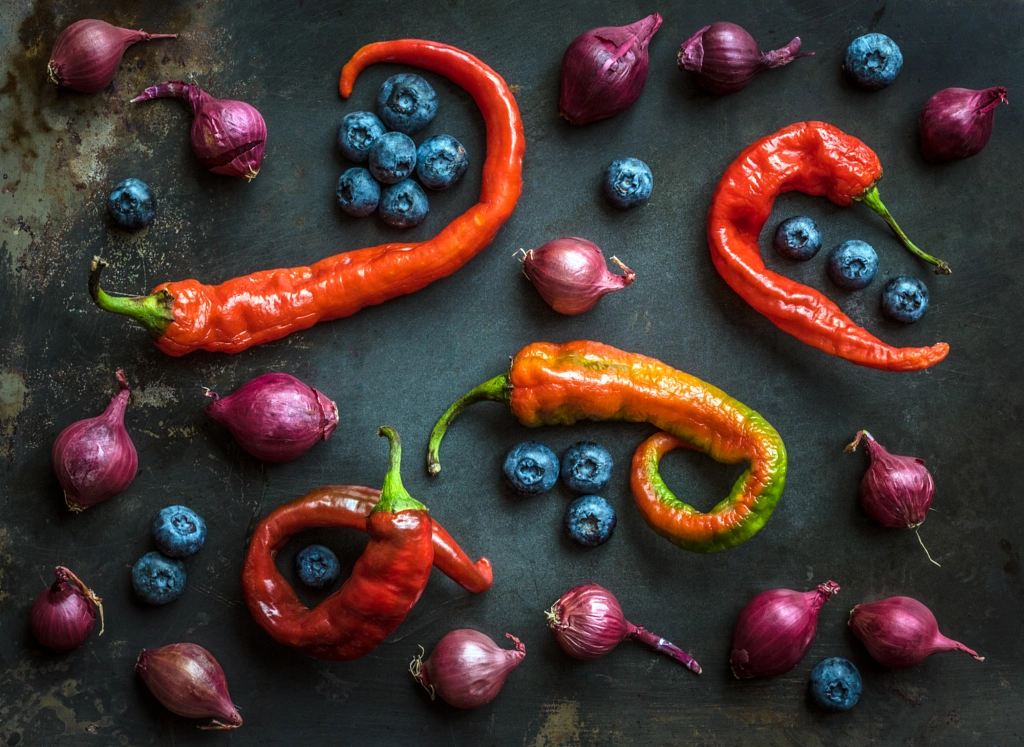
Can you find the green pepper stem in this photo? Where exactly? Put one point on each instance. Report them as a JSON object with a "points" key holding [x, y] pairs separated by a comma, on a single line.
{"points": [[393, 496], [498, 389], [871, 198], [153, 312]]}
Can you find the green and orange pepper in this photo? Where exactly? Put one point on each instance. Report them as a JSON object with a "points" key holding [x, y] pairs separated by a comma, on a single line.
{"points": [[550, 384]]}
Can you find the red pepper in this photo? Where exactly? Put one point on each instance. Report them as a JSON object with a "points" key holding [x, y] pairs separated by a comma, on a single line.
{"points": [[818, 159], [185, 316], [386, 581]]}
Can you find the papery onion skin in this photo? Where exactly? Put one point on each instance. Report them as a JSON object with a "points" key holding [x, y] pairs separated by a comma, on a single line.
{"points": [[188, 681], [956, 123], [228, 136], [63, 616], [95, 459], [275, 417], [896, 491], [87, 53], [588, 622], [571, 275], [604, 70], [901, 632], [724, 57], [775, 630], [466, 668]]}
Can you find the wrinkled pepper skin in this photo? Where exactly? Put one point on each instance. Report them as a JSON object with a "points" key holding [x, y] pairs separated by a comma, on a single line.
{"points": [[188, 315], [817, 159], [551, 384], [386, 581]]}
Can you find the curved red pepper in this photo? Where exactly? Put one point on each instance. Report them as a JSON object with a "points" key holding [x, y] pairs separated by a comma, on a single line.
{"points": [[385, 583], [817, 159], [187, 315]]}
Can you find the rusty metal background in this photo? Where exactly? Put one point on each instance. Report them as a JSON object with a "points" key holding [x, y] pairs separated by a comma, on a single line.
{"points": [[401, 363]]}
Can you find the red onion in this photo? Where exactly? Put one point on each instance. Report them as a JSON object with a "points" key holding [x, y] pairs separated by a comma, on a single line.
{"points": [[588, 623], [227, 136], [95, 458], [86, 54], [900, 632], [956, 123], [64, 615], [188, 681], [896, 490], [275, 417], [466, 668], [725, 58], [604, 70], [570, 274], [775, 630]]}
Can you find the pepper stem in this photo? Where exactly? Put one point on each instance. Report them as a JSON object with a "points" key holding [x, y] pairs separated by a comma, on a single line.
{"points": [[498, 389], [393, 496], [871, 198], [154, 312]]}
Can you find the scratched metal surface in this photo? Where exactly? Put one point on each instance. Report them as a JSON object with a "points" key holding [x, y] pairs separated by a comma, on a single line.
{"points": [[402, 362]]}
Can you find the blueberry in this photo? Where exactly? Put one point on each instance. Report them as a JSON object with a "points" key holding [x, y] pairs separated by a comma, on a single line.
{"points": [[406, 103], [586, 467], [357, 133], [179, 531], [590, 520], [904, 299], [853, 264], [392, 157], [158, 579], [873, 61], [403, 205], [358, 192], [530, 468], [441, 161], [132, 204], [317, 566], [798, 238], [835, 684], [627, 182]]}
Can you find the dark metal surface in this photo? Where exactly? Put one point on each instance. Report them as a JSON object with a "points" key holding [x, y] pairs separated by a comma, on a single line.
{"points": [[402, 363]]}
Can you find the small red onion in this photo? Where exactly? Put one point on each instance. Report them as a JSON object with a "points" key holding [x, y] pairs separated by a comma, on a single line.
{"points": [[188, 681], [724, 57], [896, 491], [900, 632], [64, 614], [466, 668], [275, 417], [604, 70], [775, 630], [227, 136], [571, 275], [95, 458], [588, 622], [86, 54], [956, 123]]}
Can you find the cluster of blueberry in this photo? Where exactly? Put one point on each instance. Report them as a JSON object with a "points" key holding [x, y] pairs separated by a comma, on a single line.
{"points": [[406, 104], [532, 468], [853, 265], [159, 577]]}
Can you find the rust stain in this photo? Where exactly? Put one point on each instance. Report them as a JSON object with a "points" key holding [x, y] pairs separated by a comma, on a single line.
{"points": [[560, 726]]}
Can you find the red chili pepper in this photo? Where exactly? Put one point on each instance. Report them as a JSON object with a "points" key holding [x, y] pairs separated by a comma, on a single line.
{"points": [[185, 316], [818, 159], [386, 581]]}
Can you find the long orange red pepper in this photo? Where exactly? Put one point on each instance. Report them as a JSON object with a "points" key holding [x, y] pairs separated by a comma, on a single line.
{"points": [[818, 159], [385, 583], [185, 316], [552, 384]]}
